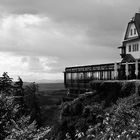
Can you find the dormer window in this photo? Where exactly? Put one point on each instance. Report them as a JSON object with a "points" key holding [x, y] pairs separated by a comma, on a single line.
{"points": [[131, 32], [134, 31]]}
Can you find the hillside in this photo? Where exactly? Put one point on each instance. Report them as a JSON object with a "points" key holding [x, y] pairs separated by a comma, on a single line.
{"points": [[111, 111]]}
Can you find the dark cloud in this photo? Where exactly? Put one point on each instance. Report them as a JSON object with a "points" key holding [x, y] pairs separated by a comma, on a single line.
{"points": [[100, 18]]}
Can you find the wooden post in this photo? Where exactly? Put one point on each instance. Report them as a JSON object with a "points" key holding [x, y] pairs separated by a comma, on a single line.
{"points": [[115, 71], [84, 79], [136, 69], [126, 70], [71, 79], [78, 75]]}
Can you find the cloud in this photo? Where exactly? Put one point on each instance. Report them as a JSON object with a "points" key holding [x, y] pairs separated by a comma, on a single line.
{"points": [[40, 36], [41, 44], [29, 68], [31, 33], [48, 35]]}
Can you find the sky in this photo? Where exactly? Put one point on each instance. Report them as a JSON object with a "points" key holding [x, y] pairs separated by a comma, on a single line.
{"points": [[39, 38]]}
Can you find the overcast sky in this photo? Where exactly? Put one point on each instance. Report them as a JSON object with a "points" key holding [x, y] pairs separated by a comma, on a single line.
{"points": [[39, 38]]}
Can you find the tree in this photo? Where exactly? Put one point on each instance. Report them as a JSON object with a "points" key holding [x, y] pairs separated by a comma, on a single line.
{"points": [[19, 110]]}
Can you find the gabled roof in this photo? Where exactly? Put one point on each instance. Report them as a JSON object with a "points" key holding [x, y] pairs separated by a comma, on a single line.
{"points": [[136, 21]]}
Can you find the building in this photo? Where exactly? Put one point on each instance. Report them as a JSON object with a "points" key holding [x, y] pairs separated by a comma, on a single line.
{"points": [[130, 49], [78, 78]]}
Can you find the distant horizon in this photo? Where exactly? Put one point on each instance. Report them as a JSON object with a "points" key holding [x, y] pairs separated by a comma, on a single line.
{"points": [[50, 81], [45, 81]]}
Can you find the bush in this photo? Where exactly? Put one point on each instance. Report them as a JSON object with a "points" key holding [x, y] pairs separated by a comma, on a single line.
{"points": [[122, 122]]}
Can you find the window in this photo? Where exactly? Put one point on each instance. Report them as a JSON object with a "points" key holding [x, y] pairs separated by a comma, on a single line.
{"points": [[137, 47], [134, 31], [133, 47], [74, 76], [88, 75], [131, 32], [81, 75], [129, 48], [96, 75], [68, 76]]}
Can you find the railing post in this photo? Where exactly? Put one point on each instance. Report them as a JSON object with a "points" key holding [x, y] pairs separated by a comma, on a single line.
{"points": [[126, 70], [65, 79], [115, 71], [136, 69]]}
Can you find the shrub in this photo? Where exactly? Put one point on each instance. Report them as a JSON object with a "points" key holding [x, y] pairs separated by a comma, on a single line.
{"points": [[77, 108], [122, 122]]}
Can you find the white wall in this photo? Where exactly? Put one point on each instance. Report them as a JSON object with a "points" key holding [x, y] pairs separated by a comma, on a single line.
{"points": [[135, 54]]}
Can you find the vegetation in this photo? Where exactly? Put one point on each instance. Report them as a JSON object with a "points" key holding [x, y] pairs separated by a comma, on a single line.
{"points": [[87, 118], [19, 111]]}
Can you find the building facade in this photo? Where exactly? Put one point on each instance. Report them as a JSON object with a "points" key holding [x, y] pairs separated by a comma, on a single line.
{"points": [[131, 42]]}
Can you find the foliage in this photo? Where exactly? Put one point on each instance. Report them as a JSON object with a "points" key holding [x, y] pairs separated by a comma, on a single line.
{"points": [[121, 121], [76, 116], [24, 130], [19, 111]]}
